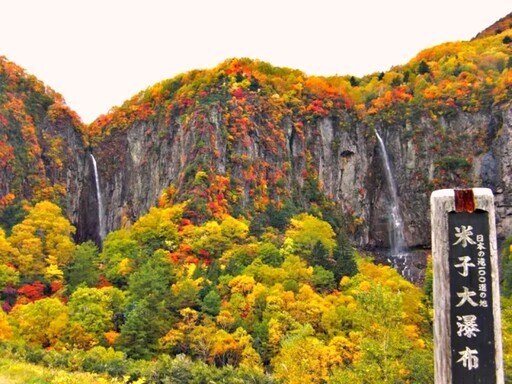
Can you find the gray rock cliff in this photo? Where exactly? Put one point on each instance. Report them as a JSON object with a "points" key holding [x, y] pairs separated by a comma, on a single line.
{"points": [[460, 150]]}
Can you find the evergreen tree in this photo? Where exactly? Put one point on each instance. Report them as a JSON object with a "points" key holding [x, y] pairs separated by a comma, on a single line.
{"points": [[84, 268], [320, 256], [146, 323], [423, 67], [148, 316], [211, 303], [152, 280], [354, 82], [323, 280], [269, 254], [344, 262]]}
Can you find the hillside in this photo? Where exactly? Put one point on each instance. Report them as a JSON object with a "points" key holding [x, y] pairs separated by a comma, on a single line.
{"points": [[41, 146], [273, 137], [246, 136], [502, 25]]}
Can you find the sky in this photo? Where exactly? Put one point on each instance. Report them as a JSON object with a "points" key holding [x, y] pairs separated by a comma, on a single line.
{"points": [[98, 53]]}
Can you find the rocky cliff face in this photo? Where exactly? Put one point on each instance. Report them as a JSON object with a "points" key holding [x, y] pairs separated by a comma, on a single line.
{"points": [[246, 135], [495, 169], [461, 150], [464, 150]]}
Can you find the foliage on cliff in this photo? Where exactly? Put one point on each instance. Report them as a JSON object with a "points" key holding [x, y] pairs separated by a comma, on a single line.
{"points": [[255, 128], [268, 116], [35, 147], [464, 75], [498, 27]]}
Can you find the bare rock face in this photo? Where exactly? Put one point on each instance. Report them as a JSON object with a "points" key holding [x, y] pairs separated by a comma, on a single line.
{"points": [[64, 130], [496, 170], [463, 150]]}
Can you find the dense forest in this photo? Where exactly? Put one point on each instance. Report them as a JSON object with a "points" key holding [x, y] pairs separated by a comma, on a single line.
{"points": [[237, 272]]}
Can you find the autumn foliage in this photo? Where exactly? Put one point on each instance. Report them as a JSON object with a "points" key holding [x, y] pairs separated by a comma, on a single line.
{"points": [[237, 270]]}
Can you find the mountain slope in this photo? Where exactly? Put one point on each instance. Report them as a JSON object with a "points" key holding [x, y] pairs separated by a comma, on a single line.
{"points": [[249, 138], [41, 145], [246, 136], [503, 24]]}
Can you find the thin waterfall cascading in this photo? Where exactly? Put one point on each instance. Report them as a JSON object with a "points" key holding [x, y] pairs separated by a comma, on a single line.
{"points": [[101, 213], [396, 235]]}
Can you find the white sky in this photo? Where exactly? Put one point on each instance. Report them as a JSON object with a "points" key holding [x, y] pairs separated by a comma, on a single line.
{"points": [[98, 53]]}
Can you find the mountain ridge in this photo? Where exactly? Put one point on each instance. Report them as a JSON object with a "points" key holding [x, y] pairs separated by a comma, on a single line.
{"points": [[306, 128], [503, 24]]}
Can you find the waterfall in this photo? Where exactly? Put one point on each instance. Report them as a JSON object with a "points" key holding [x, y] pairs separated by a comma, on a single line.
{"points": [[101, 213], [396, 233]]}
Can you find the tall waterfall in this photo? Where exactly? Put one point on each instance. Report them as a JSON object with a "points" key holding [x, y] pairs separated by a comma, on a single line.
{"points": [[396, 225], [101, 213]]}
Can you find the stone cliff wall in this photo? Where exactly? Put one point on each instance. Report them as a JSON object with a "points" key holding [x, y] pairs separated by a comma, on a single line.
{"points": [[461, 150]]}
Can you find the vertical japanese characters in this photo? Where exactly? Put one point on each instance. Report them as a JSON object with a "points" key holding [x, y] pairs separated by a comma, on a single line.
{"points": [[472, 338]]}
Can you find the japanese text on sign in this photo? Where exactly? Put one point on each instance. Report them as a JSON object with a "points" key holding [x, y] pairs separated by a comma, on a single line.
{"points": [[471, 303]]}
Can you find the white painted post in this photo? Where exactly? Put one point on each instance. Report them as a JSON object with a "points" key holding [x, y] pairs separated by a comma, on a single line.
{"points": [[467, 333]]}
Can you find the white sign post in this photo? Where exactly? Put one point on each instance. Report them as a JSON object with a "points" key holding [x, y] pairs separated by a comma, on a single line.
{"points": [[467, 319]]}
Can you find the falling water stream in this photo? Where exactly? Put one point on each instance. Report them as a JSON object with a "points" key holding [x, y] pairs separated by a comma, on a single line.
{"points": [[101, 215], [396, 226]]}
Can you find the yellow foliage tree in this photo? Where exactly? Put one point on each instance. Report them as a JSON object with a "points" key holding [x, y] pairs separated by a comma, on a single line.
{"points": [[242, 284], [8, 254], [306, 230], [42, 322], [304, 358], [44, 235], [5, 327]]}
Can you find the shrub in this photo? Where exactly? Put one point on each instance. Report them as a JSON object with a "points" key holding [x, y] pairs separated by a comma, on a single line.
{"points": [[104, 360]]}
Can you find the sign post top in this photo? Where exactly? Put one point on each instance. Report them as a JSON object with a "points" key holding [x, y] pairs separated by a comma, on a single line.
{"points": [[446, 193], [460, 200]]}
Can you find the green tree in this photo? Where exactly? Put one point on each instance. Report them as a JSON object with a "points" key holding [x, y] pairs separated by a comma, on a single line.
{"points": [[8, 276], [344, 260], [323, 280], [148, 313], [94, 310], [320, 256], [146, 322], [119, 254], [211, 303], [242, 257], [423, 67], [270, 255], [84, 268], [11, 215], [153, 280], [185, 294]]}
